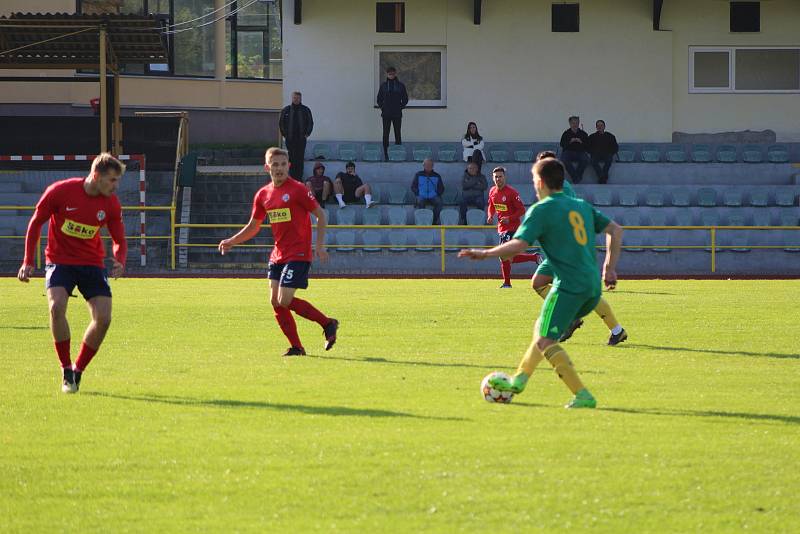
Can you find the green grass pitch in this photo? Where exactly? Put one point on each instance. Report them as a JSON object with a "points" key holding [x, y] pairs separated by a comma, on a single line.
{"points": [[190, 420]]}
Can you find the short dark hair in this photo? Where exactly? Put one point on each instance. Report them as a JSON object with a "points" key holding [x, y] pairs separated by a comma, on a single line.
{"points": [[574, 118], [545, 154], [390, 69], [599, 120], [349, 164], [499, 169], [552, 172]]}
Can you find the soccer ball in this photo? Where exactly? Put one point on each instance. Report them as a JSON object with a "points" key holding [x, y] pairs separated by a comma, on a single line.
{"points": [[492, 395]]}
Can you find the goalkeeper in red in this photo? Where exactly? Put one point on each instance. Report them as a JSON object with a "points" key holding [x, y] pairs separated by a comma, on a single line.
{"points": [[77, 208], [565, 228], [287, 204]]}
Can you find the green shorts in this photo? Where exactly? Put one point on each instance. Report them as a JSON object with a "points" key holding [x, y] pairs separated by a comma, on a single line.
{"points": [[561, 308], [544, 269]]}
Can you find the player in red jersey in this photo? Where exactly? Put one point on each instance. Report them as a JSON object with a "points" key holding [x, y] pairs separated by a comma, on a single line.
{"points": [[504, 201], [287, 204], [77, 208]]}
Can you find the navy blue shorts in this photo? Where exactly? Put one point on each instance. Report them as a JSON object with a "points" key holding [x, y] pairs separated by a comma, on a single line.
{"points": [[92, 281], [505, 237], [293, 274]]}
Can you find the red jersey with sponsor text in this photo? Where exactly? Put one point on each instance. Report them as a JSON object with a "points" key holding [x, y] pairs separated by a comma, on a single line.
{"points": [[73, 236], [287, 208], [505, 203]]}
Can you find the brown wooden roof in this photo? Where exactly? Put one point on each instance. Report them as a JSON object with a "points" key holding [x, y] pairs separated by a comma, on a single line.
{"points": [[35, 40]]}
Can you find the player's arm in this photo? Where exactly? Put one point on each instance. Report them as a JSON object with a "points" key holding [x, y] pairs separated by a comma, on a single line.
{"points": [[322, 224], [43, 211], [116, 228], [490, 211], [245, 234], [613, 233], [504, 251]]}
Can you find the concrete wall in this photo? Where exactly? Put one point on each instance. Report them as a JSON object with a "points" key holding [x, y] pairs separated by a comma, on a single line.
{"points": [[706, 23]]}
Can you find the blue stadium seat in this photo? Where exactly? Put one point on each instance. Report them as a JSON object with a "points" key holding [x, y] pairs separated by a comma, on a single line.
{"points": [[634, 239], [397, 216], [684, 218], [321, 151], [397, 153], [348, 152], [523, 156], [448, 217], [628, 197], [603, 197], [735, 238], [777, 154], [752, 154], [447, 153], [660, 238], [425, 240], [397, 193], [327, 216], [345, 239], [785, 198], [346, 216], [626, 154], [676, 154], [709, 218], [498, 154], [377, 192], [762, 217], [371, 216], [372, 152], [421, 153], [650, 154], [732, 198], [423, 217], [451, 195], [398, 239], [681, 197], [476, 217], [654, 198], [372, 237], [701, 154], [658, 217], [759, 197], [473, 238], [706, 197], [790, 238], [726, 154]]}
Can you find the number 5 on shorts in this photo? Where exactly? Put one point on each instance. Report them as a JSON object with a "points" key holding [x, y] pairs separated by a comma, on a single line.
{"points": [[578, 228]]}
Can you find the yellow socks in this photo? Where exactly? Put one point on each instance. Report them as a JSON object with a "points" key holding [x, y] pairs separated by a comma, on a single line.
{"points": [[533, 357], [563, 366], [604, 311], [544, 290]]}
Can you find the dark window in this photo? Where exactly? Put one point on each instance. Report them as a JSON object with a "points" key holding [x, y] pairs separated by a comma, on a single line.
{"points": [[746, 17], [566, 18], [390, 17]]}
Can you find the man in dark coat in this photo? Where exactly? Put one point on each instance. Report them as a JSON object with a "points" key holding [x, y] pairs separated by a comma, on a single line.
{"points": [[392, 98], [296, 124]]}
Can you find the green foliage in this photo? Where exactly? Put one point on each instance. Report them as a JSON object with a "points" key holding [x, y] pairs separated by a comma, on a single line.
{"points": [[189, 419]]}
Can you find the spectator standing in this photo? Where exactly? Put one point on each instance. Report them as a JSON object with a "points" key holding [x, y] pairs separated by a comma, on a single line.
{"points": [[296, 124], [473, 145], [320, 185], [392, 98], [349, 187], [473, 187], [603, 147], [428, 188], [574, 145]]}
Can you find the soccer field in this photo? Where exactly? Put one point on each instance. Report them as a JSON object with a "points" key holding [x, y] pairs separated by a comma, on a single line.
{"points": [[189, 418]]}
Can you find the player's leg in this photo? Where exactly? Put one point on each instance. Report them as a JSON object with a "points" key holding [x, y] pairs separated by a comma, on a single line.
{"points": [[326, 191], [338, 189], [505, 265], [294, 277], [542, 282], [365, 192], [93, 285], [283, 315], [60, 280], [618, 334]]}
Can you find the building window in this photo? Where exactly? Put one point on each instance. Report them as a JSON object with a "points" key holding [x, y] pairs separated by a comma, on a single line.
{"points": [[744, 70], [390, 17], [566, 18], [423, 70], [745, 17], [253, 35]]}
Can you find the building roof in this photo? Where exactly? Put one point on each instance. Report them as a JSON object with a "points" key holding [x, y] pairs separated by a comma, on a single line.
{"points": [[67, 40]]}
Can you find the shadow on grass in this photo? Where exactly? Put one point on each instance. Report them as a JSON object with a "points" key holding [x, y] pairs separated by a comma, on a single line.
{"points": [[24, 328], [626, 292], [413, 363], [779, 355], [336, 411]]}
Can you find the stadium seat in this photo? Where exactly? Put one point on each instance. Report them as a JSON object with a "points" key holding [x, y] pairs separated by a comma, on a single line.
{"points": [[762, 217], [603, 197], [791, 238], [735, 238], [790, 218], [397, 193], [628, 198], [552, 147], [684, 218], [736, 219], [451, 195], [327, 216], [346, 216], [398, 239], [634, 239], [372, 152], [446, 153], [476, 217], [377, 192], [701, 154], [423, 217], [421, 153], [726, 154], [759, 197], [709, 218], [650, 154], [681, 197], [523, 156], [732, 198], [451, 239], [372, 237], [348, 152], [785, 198], [498, 154], [660, 238], [425, 240], [322, 151], [371, 216], [397, 153], [706, 197], [777, 154], [752, 154], [397, 216], [473, 238], [654, 198], [345, 239], [676, 154], [448, 217], [626, 154]]}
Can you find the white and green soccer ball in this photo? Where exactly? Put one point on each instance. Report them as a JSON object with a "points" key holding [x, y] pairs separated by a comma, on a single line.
{"points": [[492, 395]]}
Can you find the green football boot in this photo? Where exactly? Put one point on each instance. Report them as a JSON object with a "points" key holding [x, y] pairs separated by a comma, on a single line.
{"points": [[583, 399], [515, 385]]}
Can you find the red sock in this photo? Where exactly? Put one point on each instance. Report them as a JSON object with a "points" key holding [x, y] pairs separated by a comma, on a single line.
{"points": [[288, 326], [522, 258], [505, 268], [84, 357], [62, 349], [306, 310]]}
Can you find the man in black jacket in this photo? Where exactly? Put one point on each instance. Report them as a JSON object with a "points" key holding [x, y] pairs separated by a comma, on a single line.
{"points": [[574, 144], [392, 98], [602, 146], [296, 124]]}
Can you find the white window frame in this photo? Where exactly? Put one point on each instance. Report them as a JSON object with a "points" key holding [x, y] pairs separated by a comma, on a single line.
{"points": [[380, 77], [731, 50]]}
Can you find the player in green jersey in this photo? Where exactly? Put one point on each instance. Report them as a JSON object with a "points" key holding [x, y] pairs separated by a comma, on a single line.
{"points": [[565, 228]]}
